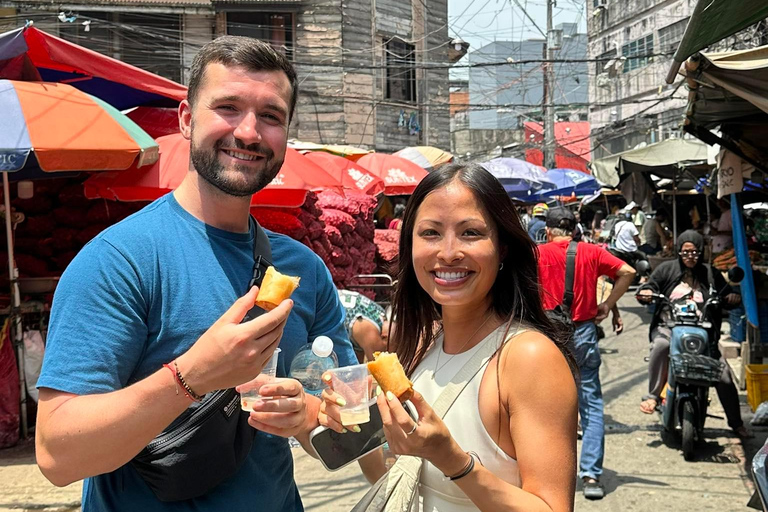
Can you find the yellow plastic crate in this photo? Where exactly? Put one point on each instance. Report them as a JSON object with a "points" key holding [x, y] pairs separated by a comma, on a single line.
{"points": [[757, 384]]}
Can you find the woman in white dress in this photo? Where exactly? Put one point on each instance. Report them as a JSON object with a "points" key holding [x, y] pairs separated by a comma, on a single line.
{"points": [[467, 278]]}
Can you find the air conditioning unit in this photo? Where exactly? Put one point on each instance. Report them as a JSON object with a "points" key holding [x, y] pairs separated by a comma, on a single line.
{"points": [[600, 4]]}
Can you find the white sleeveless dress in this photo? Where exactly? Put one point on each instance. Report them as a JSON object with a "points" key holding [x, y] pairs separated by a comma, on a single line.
{"points": [[437, 493]]}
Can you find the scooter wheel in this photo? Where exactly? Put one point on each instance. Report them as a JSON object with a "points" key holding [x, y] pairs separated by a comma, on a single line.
{"points": [[689, 431]]}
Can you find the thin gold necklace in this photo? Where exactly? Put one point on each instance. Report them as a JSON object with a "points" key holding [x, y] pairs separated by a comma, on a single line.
{"points": [[437, 359]]}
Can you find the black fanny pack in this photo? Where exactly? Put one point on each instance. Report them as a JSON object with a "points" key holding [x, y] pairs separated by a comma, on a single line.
{"points": [[208, 442]]}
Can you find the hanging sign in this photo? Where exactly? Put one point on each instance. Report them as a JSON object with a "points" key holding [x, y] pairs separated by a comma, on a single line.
{"points": [[729, 174]]}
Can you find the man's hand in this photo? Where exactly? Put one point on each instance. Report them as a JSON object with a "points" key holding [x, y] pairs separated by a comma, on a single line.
{"points": [[231, 353], [618, 324], [733, 298], [602, 312], [283, 412], [644, 296]]}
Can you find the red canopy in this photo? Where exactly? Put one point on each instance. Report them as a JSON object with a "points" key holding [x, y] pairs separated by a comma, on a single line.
{"points": [[400, 175], [30, 54], [350, 174], [289, 188]]}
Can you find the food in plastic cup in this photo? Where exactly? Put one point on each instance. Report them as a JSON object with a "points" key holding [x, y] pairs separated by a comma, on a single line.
{"points": [[353, 384], [249, 392]]}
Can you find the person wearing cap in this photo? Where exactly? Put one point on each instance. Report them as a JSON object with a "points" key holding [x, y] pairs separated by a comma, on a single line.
{"points": [[537, 225], [591, 263], [626, 240]]}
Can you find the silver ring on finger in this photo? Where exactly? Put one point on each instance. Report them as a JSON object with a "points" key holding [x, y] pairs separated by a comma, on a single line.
{"points": [[415, 426]]}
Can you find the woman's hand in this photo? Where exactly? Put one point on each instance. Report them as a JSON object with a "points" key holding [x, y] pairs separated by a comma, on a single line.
{"points": [[329, 414], [428, 438]]}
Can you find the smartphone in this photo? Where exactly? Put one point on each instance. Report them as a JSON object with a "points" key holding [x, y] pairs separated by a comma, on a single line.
{"points": [[338, 450]]}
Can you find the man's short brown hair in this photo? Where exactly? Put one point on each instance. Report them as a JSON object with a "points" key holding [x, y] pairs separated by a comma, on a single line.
{"points": [[252, 54]]}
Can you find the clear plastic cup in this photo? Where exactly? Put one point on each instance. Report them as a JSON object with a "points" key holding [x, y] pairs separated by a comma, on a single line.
{"points": [[353, 384], [249, 392]]}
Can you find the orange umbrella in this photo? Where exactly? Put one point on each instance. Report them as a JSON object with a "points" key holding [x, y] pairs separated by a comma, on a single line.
{"points": [[351, 175], [289, 188], [400, 175]]}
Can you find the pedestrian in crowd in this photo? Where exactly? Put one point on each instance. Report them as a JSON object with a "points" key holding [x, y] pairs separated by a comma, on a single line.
{"points": [[722, 230], [626, 241], [598, 222], [537, 228], [466, 271], [397, 221], [676, 279], [656, 238], [525, 217], [159, 291], [367, 324], [638, 215], [592, 262]]}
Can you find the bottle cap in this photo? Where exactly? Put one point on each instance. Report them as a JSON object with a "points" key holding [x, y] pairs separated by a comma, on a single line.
{"points": [[322, 346]]}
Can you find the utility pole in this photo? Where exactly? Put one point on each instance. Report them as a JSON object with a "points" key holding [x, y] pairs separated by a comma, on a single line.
{"points": [[551, 45]]}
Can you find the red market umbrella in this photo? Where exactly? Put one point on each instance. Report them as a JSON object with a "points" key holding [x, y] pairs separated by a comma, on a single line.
{"points": [[289, 188], [400, 175], [351, 175]]}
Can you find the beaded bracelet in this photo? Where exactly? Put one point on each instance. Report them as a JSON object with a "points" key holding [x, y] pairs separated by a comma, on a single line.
{"points": [[181, 382]]}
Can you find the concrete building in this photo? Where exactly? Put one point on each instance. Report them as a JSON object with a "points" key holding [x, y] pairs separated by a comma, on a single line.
{"points": [[506, 90], [360, 64], [634, 41]]}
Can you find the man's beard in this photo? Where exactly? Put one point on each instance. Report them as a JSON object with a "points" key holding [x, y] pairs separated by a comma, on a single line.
{"points": [[206, 163]]}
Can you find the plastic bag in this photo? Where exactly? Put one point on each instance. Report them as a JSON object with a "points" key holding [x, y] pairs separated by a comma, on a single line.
{"points": [[33, 361], [761, 415]]}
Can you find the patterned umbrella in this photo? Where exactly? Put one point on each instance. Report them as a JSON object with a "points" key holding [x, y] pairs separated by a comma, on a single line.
{"points": [[351, 175], [55, 127], [426, 157], [400, 175]]}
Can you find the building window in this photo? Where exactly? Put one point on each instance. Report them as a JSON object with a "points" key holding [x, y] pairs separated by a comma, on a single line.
{"points": [[151, 42], [638, 53], [603, 59], [401, 73], [271, 27], [671, 35]]}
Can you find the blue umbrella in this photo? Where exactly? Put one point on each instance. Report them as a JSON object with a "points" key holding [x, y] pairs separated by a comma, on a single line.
{"points": [[571, 181], [520, 179]]}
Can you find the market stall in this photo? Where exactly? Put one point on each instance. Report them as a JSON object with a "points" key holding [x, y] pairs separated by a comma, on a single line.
{"points": [[728, 107]]}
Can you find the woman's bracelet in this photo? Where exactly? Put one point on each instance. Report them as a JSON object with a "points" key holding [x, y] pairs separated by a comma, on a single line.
{"points": [[468, 468]]}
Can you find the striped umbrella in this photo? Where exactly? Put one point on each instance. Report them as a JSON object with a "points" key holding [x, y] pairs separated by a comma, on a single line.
{"points": [[55, 127]]}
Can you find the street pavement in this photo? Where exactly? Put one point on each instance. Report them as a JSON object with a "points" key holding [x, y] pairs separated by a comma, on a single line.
{"points": [[641, 473]]}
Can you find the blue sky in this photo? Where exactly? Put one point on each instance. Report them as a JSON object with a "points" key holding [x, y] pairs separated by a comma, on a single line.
{"points": [[480, 22]]}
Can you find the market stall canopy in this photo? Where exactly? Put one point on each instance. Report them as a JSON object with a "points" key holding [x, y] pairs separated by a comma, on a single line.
{"points": [[520, 179], [713, 20], [348, 173], [400, 175], [426, 157], [351, 152], [30, 54], [55, 127], [663, 159], [728, 86], [289, 188]]}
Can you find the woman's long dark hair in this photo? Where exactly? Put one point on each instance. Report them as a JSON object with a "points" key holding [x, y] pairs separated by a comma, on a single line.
{"points": [[515, 293]]}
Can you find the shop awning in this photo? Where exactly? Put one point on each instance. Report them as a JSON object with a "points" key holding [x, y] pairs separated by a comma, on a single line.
{"points": [[713, 20], [662, 159]]}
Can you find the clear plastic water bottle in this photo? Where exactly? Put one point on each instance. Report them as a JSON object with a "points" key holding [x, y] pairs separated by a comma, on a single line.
{"points": [[311, 362]]}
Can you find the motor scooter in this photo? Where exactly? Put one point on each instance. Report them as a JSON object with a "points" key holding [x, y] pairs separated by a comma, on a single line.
{"points": [[693, 369]]}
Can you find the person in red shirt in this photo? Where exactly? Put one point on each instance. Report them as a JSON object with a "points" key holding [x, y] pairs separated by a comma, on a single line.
{"points": [[591, 263]]}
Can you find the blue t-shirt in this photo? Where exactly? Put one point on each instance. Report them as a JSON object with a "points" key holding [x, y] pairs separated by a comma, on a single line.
{"points": [[140, 294], [535, 228]]}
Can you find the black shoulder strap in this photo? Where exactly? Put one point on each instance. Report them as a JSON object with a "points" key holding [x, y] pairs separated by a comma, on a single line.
{"points": [[262, 254], [570, 269], [262, 259]]}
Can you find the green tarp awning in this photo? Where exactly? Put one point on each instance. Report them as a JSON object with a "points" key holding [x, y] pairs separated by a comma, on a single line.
{"points": [[713, 20]]}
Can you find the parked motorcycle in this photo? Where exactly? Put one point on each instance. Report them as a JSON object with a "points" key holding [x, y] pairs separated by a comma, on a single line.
{"points": [[693, 369]]}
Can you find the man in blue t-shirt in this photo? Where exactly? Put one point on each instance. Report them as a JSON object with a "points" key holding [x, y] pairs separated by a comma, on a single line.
{"points": [[148, 315]]}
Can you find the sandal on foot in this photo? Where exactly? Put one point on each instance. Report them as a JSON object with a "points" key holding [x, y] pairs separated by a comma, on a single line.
{"points": [[743, 432], [592, 489], [649, 405]]}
